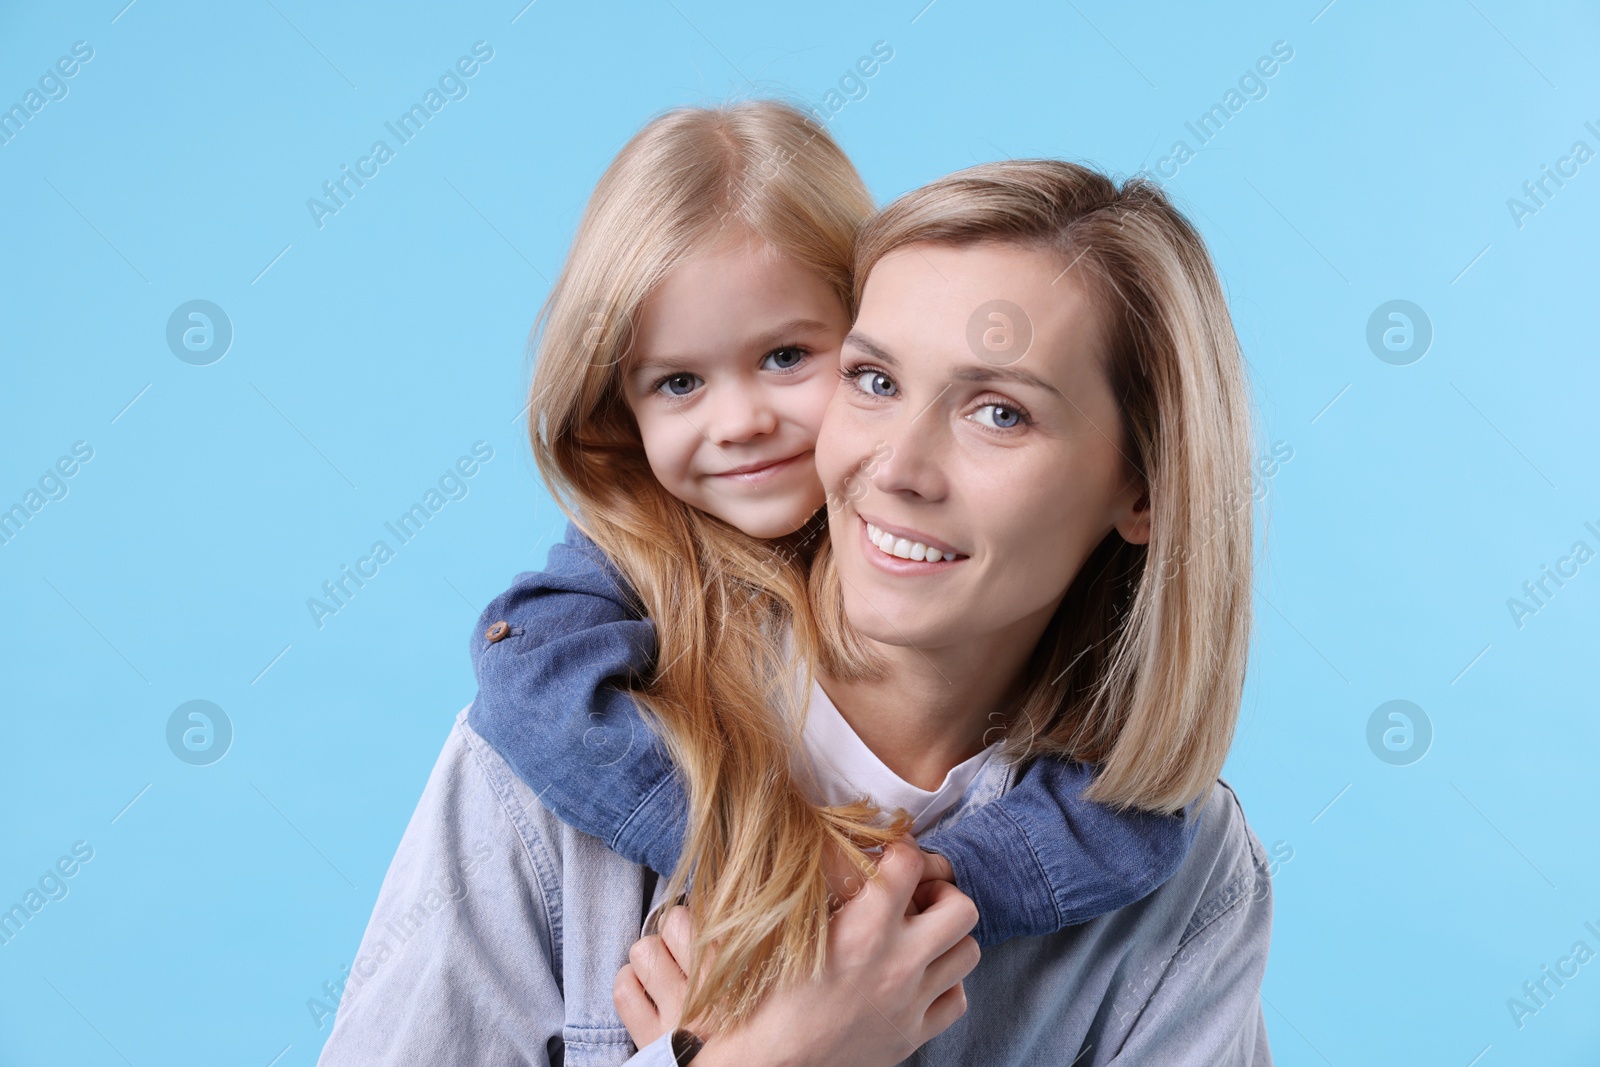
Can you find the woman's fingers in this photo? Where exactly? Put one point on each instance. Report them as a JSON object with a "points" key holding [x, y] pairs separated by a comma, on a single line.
{"points": [[899, 872], [845, 879], [894, 972], [658, 972], [637, 1010], [927, 892], [677, 930], [953, 967], [946, 1008]]}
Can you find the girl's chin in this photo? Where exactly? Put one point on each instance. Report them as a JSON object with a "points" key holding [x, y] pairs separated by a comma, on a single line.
{"points": [[770, 522]]}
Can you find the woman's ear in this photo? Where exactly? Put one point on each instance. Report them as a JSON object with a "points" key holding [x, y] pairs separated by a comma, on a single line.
{"points": [[1134, 523]]}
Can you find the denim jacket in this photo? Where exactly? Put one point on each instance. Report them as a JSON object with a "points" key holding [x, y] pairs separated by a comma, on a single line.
{"points": [[499, 930], [552, 654]]}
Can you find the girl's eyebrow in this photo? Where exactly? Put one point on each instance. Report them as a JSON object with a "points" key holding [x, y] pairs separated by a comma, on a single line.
{"points": [[783, 331], [786, 330]]}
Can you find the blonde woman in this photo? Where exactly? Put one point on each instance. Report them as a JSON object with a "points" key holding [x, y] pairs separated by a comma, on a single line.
{"points": [[1051, 485]]}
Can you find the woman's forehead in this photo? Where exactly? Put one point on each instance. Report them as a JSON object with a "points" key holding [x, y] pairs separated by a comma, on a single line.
{"points": [[993, 304]]}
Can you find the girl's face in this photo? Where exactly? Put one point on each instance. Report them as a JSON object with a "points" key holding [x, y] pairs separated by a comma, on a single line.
{"points": [[735, 357], [1011, 468]]}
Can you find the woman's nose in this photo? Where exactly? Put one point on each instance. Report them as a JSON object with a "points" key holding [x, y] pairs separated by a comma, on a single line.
{"points": [[910, 459]]}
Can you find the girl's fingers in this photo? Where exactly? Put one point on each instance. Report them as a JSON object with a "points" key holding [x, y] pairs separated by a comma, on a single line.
{"points": [[949, 917], [935, 866]]}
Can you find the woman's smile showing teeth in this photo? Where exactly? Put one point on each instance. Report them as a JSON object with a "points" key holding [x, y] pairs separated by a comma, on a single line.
{"points": [[891, 544]]}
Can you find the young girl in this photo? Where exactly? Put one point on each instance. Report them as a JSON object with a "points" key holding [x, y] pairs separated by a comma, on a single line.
{"points": [[688, 350]]}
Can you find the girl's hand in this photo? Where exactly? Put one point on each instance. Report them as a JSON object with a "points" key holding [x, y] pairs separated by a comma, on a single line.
{"points": [[898, 952], [936, 866]]}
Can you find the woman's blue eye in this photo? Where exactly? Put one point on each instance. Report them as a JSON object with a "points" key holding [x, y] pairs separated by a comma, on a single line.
{"points": [[679, 384], [1000, 417], [876, 382], [786, 358]]}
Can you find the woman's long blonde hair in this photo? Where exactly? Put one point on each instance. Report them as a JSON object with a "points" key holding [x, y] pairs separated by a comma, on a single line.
{"points": [[722, 697], [1142, 668]]}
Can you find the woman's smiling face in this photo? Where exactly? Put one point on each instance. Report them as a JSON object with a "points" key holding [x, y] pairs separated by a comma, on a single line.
{"points": [[1010, 470]]}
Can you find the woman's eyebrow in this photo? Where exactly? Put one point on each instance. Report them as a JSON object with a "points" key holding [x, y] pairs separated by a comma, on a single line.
{"points": [[1004, 374], [857, 339], [872, 348]]}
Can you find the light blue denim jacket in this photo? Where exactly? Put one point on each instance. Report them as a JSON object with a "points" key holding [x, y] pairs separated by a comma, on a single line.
{"points": [[499, 930]]}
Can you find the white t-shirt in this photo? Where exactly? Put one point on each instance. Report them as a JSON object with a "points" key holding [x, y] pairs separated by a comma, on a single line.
{"points": [[845, 768]]}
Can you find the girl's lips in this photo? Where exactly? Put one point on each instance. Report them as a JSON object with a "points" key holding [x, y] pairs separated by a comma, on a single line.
{"points": [[877, 557], [756, 475]]}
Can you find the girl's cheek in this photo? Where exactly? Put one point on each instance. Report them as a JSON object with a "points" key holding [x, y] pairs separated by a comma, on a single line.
{"points": [[669, 451], [819, 393]]}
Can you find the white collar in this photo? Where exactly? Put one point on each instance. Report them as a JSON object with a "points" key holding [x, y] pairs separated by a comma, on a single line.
{"points": [[845, 768]]}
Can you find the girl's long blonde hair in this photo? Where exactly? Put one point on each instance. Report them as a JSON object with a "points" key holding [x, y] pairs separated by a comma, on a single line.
{"points": [[723, 698], [1142, 668]]}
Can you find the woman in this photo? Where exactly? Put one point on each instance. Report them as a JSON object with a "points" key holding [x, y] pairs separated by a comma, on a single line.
{"points": [[1096, 603]]}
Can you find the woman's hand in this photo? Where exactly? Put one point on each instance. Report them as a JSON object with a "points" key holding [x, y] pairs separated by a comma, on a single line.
{"points": [[898, 951], [845, 881], [651, 988]]}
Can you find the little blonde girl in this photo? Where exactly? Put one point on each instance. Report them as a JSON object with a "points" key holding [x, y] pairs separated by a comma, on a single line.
{"points": [[686, 355]]}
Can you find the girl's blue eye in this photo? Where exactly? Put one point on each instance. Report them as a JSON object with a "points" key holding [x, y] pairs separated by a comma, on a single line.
{"points": [[875, 382], [786, 358], [1000, 417], [679, 384]]}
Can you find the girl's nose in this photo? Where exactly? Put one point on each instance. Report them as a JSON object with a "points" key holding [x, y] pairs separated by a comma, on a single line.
{"points": [[740, 415]]}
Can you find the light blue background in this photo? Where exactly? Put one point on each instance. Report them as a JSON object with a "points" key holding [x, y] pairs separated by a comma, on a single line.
{"points": [[374, 351]]}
